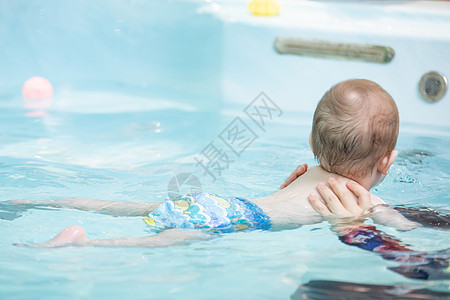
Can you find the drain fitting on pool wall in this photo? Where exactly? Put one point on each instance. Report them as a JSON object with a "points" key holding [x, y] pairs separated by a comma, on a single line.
{"points": [[433, 86]]}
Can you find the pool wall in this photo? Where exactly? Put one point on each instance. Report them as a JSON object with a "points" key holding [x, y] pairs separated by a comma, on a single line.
{"points": [[163, 48], [419, 33], [214, 52]]}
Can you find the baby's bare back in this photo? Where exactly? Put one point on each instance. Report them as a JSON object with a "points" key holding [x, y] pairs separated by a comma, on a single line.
{"points": [[290, 206]]}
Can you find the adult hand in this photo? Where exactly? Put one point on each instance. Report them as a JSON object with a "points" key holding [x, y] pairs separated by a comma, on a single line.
{"points": [[299, 171], [341, 201]]}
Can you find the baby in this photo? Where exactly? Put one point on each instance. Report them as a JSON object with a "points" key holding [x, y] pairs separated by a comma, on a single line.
{"points": [[354, 133]]}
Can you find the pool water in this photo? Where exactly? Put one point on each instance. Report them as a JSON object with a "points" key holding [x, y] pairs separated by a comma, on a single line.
{"points": [[127, 147]]}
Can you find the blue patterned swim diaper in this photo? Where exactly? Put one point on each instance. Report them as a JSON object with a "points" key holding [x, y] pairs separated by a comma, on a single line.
{"points": [[208, 211]]}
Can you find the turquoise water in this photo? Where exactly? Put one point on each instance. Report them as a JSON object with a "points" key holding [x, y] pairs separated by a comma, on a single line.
{"points": [[125, 147]]}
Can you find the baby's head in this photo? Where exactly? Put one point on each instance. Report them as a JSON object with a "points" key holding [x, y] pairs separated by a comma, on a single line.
{"points": [[355, 127]]}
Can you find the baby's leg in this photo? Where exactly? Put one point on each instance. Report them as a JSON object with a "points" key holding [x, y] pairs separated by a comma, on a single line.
{"points": [[73, 235], [116, 208], [168, 237], [76, 236]]}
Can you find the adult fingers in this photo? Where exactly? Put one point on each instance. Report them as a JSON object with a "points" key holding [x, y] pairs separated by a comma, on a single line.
{"points": [[288, 180], [318, 205], [345, 196], [299, 171], [362, 194], [333, 203]]}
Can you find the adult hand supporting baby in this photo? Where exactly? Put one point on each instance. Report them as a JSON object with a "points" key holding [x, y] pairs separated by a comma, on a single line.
{"points": [[340, 200], [350, 201], [299, 171]]}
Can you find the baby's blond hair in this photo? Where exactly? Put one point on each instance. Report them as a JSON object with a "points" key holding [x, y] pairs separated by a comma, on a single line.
{"points": [[355, 125]]}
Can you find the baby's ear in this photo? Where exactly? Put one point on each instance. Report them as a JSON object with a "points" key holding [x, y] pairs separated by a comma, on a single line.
{"points": [[386, 162]]}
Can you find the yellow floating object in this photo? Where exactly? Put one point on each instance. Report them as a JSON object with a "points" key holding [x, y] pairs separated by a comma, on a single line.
{"points": [[264, 7]]}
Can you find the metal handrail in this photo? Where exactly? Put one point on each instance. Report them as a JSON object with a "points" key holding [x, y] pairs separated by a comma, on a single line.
{"points": [[336, 50]]}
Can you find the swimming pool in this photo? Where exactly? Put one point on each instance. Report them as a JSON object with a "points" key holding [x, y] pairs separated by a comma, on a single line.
{"points": [[141, 88]]}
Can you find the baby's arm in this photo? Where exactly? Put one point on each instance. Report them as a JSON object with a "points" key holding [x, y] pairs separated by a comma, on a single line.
{"points": [[383, 214], [115, 208]]}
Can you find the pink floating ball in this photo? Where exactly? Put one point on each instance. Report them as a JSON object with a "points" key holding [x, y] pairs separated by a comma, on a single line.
{"points": [[37, 88]]}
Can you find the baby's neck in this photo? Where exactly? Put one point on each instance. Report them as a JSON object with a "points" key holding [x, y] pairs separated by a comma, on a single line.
{"points": [[367, 182], [319, 173]]}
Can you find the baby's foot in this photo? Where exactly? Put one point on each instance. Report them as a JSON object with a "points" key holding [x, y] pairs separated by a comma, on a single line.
{"points": [[73, 235]]}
